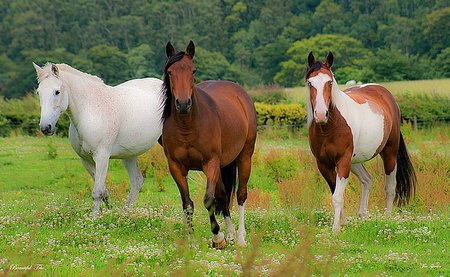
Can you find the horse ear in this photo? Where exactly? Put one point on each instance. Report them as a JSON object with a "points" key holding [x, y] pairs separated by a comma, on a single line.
{"points": [[329, 60], [170, 51], [55, 70], [37, 67], [311, 59], [190, 49]]}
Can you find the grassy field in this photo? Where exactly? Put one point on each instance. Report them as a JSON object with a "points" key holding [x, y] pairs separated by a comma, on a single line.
{"points": [[46, 227], [441, 86]]}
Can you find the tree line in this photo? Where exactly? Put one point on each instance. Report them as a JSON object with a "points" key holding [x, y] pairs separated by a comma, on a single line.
{"points": [[251, 42]]}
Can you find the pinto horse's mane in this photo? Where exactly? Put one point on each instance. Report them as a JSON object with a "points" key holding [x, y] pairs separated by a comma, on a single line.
{"points": [[166, 88], [47, 71]]}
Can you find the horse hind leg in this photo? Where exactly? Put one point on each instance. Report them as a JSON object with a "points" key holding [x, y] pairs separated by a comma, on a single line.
{"points": [[215, 195], [389, 189], [366, 184], [136, 179], [244, 170]]}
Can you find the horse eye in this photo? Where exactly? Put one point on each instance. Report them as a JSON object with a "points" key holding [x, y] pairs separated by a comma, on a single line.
{"points": [[57, 92], [331, 83], [169, 73], [309, 84]]}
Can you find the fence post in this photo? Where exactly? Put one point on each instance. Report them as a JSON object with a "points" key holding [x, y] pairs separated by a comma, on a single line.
{"points": [[415, 123]]}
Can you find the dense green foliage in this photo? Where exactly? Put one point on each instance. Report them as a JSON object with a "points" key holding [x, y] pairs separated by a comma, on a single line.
{"points": [[250, 42]]}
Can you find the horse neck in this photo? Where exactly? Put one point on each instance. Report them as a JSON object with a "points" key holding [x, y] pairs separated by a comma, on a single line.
{"points": [[340, 99], [81, 91]]}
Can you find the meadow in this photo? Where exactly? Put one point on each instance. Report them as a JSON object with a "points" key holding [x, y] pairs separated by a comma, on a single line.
{"points": [[46, 227]]}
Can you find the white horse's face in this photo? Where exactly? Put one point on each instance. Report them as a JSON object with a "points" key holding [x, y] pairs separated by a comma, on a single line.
{"points": [[53, 97]]}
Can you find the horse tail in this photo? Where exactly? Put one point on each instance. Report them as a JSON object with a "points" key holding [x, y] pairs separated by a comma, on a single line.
{"points": [[405, 177], [228, 175]]}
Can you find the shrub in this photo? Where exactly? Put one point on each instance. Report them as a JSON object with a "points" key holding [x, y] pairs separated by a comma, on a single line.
{"points": [[427, 108], [281, 113]]}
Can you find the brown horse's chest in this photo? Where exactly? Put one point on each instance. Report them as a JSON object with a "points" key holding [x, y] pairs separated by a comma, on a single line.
{"points": [[331, 142], [192, 148]]}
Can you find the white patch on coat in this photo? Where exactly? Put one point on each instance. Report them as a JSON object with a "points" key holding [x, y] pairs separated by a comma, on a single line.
{"points": [[366, 125]]}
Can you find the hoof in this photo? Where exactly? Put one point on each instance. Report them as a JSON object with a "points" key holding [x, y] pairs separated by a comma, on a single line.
{"points": [[241, 243], [219, 245]]}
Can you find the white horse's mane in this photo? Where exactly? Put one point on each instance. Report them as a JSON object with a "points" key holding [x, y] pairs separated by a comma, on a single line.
{"points": [[47, 71]]}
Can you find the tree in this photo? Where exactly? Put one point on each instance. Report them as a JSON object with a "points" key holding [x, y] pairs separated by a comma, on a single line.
{"points": [[437, 30], [391, 65], [109, 64], [141, 61], [442, 63], [348, 52]]}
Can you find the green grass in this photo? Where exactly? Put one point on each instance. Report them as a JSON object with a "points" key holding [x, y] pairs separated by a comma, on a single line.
{"points": [[46, 227]]}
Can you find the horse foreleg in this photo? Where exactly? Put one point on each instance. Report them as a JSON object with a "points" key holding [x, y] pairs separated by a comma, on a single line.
{"points": [[100, 193], [212, 171], [343, 171], [136, 179], [366, 183], [180, 177]]}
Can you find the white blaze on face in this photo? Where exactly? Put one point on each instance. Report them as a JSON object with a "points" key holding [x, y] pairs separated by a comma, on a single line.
{"points": [[320, 109]]}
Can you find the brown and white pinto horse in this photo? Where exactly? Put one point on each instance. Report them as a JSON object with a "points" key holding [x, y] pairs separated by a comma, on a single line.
{"points": [[209, 127], [347, 128]]}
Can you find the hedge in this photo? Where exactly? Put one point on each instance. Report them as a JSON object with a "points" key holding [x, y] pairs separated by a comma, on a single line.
{"points": [[21, 116], [280, 113]]}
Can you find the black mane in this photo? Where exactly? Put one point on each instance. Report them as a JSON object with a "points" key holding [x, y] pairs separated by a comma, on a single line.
{"points": [[166, 89], [316, 66]]}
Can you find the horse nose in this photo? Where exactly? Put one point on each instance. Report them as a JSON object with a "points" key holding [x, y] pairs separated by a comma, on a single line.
{"points": [[183, 107], [321, 117], [47, 130]]}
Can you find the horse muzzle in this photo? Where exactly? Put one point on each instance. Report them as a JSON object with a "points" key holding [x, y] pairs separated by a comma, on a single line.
{"points": [[321, 117], [183, 107], [48, 129]]}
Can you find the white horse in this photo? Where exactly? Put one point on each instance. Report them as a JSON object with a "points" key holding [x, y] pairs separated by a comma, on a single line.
{"points": [[106, 122]]}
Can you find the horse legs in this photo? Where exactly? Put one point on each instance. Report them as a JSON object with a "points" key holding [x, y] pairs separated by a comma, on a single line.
{"points": [[244, 169], [337, 182], [179, 175], [212, 171], [90, 167], [390, 169], [136, 179], [391, 183], [366, 183], [100, 192]]}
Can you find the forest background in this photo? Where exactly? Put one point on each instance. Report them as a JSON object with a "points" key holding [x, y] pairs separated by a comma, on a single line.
{"points": [[250, 42]]}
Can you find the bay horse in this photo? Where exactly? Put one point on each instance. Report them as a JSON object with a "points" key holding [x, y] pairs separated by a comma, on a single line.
{"points": [[210, 127], [119, 122], [347, 128]]}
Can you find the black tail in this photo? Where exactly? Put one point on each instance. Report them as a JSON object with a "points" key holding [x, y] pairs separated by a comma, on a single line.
{"points": [[228, 174], [406, 177]]}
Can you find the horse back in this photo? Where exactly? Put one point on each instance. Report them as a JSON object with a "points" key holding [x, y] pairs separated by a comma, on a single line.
{"points": [[232, 100], [236, 115], [381, 102], [377, 96]]}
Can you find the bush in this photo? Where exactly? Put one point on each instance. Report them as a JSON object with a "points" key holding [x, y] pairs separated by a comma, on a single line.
{"points": [[281, 113], [427, 108]]}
